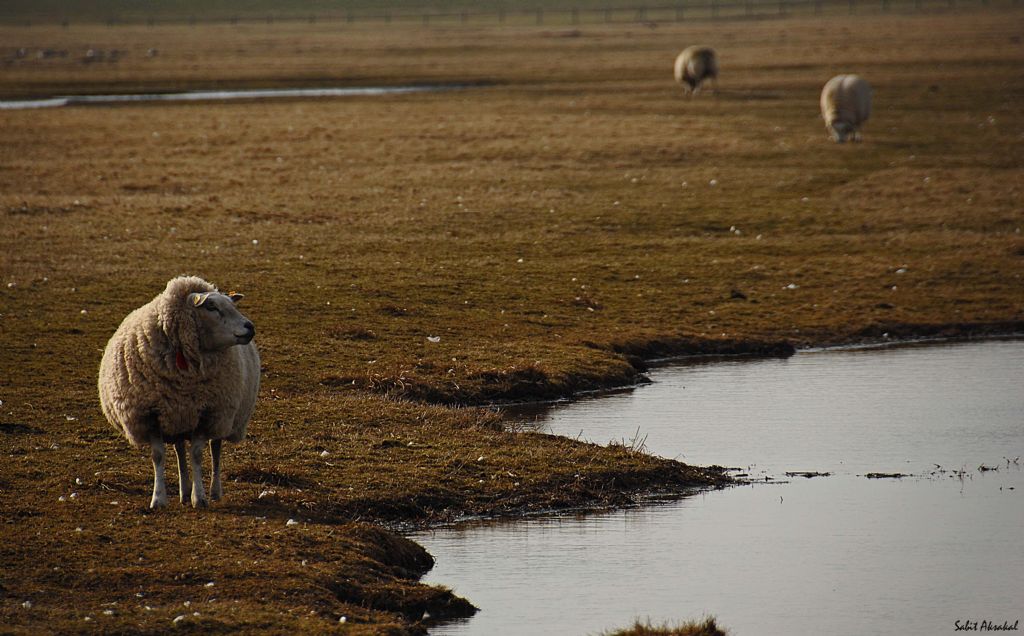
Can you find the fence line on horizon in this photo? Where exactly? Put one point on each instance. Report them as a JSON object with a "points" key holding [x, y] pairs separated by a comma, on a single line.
{"points": [[698, 10]]}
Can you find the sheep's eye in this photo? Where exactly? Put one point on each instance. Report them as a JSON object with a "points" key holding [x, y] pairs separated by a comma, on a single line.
{"points": [[211, 307]]}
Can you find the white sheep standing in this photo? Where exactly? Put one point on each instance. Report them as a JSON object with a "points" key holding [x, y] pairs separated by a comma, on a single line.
{"points": [[694, 65], [180, 368], [845, 105]]}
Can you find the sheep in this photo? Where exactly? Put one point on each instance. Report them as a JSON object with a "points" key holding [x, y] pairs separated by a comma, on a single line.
{"points": [[694, 65], [182, 367], [845, 106]]}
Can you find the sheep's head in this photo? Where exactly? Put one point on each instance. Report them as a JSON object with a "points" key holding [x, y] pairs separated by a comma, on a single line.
{"points": [[220, 323], [840, 130]]}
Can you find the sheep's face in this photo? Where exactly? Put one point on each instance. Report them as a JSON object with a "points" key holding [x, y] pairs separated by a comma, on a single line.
{"points": [[221, 325], [840, 131]]}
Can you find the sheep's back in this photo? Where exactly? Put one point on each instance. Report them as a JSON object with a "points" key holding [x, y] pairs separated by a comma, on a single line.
{"points": [[857, 97], [128, 378], [846, 98], [695, 63]]}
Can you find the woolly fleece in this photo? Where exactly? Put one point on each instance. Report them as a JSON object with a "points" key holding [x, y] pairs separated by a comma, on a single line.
{"points": [[144, 390]]}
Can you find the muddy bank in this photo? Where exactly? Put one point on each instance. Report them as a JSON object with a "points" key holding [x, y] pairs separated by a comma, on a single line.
{"points": [[623, 363], [626, 361], [908, 333]]}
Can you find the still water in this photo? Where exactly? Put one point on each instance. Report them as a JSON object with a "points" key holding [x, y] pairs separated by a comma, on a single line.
{"points": [[222, 95], [842, 554]]}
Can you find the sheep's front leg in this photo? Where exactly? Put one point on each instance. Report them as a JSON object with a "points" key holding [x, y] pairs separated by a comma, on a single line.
{"points": [[184, 484], [196, 451], [158, 449], [215, 489]]}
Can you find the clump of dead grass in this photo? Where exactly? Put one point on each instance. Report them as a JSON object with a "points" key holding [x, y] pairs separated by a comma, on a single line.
{"points": [[706, 627]]}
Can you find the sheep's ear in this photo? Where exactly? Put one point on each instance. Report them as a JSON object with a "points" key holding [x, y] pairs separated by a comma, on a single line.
{"points": [[235, 296], [198, 299]]}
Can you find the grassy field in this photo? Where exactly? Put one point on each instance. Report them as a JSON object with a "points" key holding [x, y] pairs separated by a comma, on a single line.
{"points": [[548, 230], [381, 15]]}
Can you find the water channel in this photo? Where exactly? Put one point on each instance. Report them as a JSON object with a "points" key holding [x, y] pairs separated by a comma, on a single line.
{"points": [[223, 95], [841, 554]]}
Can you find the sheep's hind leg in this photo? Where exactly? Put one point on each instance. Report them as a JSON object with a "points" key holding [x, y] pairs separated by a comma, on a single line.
{"points": [[196, 451], [159, 451], [184, 483], [216, 492]]}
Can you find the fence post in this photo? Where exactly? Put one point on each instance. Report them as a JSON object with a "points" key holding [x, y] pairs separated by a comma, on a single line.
{"points": [[641, 14]]}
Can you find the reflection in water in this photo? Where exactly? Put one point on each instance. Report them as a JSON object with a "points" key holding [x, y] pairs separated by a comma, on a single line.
{"points": [[882, 410], [836, 555]]}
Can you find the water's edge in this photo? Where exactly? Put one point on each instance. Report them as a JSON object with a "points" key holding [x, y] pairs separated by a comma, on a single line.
{"points": [[512, 407], [849, 521]]}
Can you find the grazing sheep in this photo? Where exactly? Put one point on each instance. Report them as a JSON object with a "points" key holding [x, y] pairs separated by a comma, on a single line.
{"points": [[845, 105], [180, 368], [694, 65]]}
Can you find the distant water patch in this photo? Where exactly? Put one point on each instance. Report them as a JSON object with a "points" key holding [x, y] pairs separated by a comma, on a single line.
{"points": [[220, 95]]}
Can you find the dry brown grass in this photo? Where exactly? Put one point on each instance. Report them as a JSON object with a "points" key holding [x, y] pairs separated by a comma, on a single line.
{"points": [[539, 226], [707, 627]]}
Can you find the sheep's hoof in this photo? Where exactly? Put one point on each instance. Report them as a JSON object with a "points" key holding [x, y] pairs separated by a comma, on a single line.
{"points": [[200, 503], [157, 503]]}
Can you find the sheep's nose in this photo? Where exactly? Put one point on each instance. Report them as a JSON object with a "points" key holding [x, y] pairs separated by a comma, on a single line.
{"points": [[250, 328]]}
